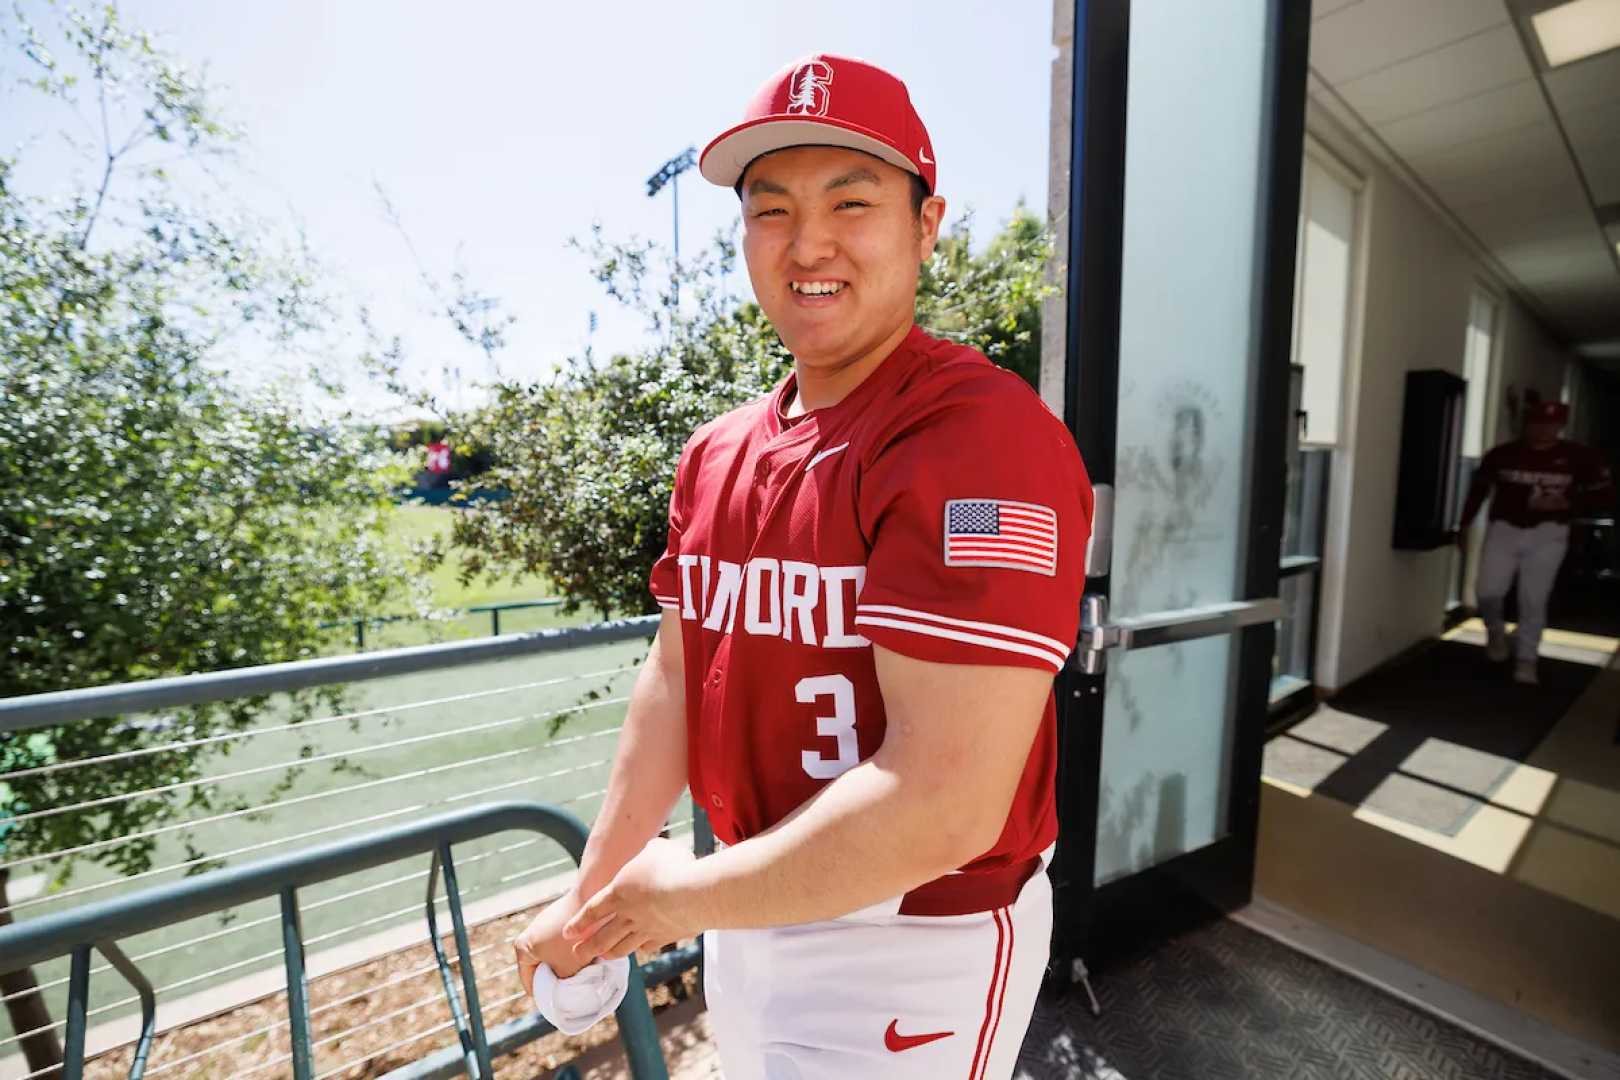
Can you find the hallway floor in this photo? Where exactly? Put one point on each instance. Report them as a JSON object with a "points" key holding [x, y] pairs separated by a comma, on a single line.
{"points": [[1468, 826], [1223, 1001]]}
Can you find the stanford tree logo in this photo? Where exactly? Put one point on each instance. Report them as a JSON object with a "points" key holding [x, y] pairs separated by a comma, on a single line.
{"points": [[810, 95]]}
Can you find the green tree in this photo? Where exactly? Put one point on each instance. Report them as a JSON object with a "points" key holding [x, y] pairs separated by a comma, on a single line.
{"points": [[589, 455], [158, 517], [990, 300]]}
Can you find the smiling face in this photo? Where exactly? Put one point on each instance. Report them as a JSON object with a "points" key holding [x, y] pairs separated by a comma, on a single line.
{"points": [[834, 249]]}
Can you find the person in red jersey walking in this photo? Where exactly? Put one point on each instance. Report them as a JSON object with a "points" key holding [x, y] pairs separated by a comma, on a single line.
{"points": [[873, 574], [1535, 485]]}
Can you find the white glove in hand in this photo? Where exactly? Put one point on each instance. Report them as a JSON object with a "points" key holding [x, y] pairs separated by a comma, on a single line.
{"points": [[574, 1004]]}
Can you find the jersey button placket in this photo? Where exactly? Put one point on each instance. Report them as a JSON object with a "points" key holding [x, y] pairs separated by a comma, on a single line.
{"points": [[712, 712]]}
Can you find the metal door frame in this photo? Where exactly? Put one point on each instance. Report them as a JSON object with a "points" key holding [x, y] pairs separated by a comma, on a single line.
{"points": [[1219, 876]]}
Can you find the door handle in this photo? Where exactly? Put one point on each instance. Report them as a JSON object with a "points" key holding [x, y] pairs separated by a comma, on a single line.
{"points": [[1098, 634]]}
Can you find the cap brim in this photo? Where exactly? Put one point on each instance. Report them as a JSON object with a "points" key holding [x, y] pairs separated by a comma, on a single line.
{"points": [[726, 158]]}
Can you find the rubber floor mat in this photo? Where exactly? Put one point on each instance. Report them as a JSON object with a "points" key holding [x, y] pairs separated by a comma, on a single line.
{"points": [[1222, 1001]]}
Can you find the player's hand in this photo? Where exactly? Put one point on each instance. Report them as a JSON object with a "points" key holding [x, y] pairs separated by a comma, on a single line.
{"points": [[543, 942], [646, 905]]}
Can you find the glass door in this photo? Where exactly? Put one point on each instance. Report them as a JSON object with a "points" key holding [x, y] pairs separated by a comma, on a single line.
{"points": [[1184, 195]]}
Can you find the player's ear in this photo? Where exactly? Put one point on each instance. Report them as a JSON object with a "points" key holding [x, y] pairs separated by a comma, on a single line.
{"points": [[929, 215]]}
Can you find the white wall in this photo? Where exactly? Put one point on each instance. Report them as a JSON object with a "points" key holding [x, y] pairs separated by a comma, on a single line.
{"points": [[1411, 312], [1529, 359]]}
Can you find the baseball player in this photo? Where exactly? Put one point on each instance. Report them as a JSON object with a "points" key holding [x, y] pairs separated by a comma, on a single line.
{"points": [[873, 574], [1535, 485]]}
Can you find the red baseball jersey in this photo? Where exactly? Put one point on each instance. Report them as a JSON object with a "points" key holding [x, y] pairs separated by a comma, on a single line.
{"points": [[940, 510], [1549, 484]]}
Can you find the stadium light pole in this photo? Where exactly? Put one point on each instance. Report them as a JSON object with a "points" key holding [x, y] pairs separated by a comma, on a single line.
{"points": [[670, 173]]}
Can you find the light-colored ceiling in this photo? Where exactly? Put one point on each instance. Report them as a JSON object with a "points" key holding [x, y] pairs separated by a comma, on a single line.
{"points": [[1525, 159]]}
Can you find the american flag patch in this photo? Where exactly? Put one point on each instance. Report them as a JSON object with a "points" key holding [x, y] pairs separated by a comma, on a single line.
{"points": [[996, 532]]}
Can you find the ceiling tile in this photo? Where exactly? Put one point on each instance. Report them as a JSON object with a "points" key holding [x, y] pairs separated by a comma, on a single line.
{"points": [[1587, 311], [1509, 233], [1320, 8], [1567, 270], [1465, 193], [1587, 293], [1589, 328], [1356, 39], [1490, 113], [1564, 279], [1461, 70], [1591, 125], [1528, 161], [1594, 132], [1520, 217], [1586, 83], [1601, 167]]}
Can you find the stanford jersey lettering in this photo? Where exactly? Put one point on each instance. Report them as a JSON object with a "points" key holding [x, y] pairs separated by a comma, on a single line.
{"points": [[776, 597], [1539, 479]]}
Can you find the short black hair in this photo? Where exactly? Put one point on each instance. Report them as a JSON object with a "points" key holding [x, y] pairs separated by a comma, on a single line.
{"points": [[919, 190]]}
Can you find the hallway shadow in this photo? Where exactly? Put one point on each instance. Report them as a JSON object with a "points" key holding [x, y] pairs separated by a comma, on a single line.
{"points": [[1436, 707]]}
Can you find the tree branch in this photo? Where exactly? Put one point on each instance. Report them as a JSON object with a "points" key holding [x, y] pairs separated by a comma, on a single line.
{"points": [[107, 169]]}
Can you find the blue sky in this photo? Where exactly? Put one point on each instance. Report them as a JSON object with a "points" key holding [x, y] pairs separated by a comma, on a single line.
{"points": [[502, 129]]}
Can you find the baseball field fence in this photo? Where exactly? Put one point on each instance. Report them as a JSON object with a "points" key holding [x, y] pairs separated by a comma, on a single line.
{"points": [[154, 958], [372, 631]]}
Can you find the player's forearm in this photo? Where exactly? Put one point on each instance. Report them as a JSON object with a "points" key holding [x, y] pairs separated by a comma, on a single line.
{"points": [[868, 836], [649, 773]]}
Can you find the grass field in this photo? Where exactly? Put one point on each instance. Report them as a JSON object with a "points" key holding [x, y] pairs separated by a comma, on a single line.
{"points": [[414, 523], [418, 522]]}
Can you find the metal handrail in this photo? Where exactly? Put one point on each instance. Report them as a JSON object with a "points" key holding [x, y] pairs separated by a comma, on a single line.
{"points": [[100, 925], [67, 706]]}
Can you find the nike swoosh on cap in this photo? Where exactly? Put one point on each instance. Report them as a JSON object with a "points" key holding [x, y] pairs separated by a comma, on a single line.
{"points": [[922, 155]]}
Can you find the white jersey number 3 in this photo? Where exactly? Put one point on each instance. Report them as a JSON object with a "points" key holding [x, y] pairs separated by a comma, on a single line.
{"points": [[840, 725]]}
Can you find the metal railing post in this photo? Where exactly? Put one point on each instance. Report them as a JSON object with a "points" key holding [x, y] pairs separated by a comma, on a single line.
{"points": [[148, 996], [77, 1011], [457, 1013], [702, 844], [469, 982], [494, 622], [702, 832], [359, 635], [639, 1031], [292, 947]]}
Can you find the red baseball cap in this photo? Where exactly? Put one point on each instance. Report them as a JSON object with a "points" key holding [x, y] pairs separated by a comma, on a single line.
{"points": [[825, 100], [1547, 412]]}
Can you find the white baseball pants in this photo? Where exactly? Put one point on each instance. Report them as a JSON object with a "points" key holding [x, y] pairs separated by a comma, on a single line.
{"points": [[880, 996], [1535, 555]]}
